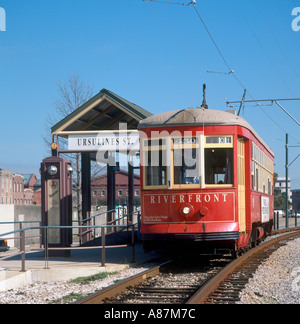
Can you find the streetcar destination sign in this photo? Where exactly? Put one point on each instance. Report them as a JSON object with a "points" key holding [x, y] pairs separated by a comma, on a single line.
{"points": [[104, 142]]}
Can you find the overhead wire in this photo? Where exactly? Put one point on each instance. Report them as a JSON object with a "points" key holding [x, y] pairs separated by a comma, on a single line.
{"points": [[186, 47], [212, 39], [276, 41], [193, 3], [269, 57], [230, 70], [168, 2], [179, 39], [274, 66]]}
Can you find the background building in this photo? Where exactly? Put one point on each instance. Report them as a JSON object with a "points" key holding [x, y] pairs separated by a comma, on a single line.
{"points": [[99, 188], [19, 189], [296, 200], [281, 184], [6, 187], [32, 192]]}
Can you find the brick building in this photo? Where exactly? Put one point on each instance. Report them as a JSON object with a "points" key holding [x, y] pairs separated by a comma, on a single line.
{"points": [[32, 189], [37, 198], [29, 180], [19, 189], [99, 188], [6, 187]]}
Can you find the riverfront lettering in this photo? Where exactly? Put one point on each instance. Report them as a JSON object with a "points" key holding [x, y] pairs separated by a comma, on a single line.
{"points": [[174, 199]]}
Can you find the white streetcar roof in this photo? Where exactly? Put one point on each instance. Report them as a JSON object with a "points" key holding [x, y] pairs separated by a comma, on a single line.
{"points": [[200, 117]]}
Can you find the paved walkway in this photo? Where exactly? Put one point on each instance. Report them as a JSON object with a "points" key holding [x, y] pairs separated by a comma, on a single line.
{"points": [[80, 263]]}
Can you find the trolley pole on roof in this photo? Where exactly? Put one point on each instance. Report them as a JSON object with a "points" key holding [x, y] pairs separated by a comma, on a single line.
{"points": [[287, 182], [242, 102]]}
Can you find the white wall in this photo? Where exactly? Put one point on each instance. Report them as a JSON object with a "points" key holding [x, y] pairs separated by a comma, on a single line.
{"points": [[7, 215], [16, 213]]}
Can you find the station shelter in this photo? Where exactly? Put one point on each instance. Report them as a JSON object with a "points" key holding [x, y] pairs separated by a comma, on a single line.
{"points": [[102, 128]]}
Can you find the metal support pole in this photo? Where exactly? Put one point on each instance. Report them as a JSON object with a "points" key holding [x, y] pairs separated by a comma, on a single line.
{"points": [[287, 182], [130, 188], [111, 185], [86, 192], [133, 243], [22, 248], [139, 227], [103, 247], [46, 248]]}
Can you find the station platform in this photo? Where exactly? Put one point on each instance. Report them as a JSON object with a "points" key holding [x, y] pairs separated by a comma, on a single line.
{"points": [[81, 263]]}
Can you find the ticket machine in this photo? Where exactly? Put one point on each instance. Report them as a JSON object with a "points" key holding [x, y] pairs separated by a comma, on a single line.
{"points": [[56, 177]]}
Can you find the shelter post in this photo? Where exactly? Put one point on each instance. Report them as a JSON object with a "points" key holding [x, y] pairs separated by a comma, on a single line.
{"points": [[86, 193]]}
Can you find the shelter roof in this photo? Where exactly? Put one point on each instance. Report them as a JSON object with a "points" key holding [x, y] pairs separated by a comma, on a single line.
{"points": [[103, 112]]}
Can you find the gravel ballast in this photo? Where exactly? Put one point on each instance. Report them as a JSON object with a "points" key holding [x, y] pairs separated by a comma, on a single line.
{"points": [[277, 280], [64, 292]]}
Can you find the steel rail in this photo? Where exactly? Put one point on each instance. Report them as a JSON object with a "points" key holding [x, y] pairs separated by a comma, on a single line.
{"points": [[214, 283], [117, 289], [202, 294]]}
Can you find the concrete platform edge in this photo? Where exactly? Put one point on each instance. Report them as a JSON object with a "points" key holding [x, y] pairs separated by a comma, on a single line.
{"points": [[13, 280]]}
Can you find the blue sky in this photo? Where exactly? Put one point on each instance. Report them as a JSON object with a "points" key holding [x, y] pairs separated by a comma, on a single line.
{"points": [[153, 54]]}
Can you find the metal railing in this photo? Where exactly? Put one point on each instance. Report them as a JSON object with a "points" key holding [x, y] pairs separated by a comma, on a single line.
{"points": [[114, 212], [283, 221], [87, 228], [22, 237]]}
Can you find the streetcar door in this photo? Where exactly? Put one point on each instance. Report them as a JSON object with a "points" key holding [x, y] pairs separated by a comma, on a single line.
{"points": [[241, 185]]}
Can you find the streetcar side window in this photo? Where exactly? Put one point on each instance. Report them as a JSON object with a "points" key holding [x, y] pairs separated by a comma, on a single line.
{"points": [[262, 171]]}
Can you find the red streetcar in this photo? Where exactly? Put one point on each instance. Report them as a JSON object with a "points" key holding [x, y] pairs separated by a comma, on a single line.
{"points": [[206, 180]]}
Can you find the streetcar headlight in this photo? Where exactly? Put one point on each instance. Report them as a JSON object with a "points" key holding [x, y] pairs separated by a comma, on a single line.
{"points": [[186, 210], [70, 170], [52, 170]]}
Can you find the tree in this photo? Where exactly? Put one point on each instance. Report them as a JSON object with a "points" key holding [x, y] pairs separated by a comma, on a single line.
{"points": [[71, 95]]}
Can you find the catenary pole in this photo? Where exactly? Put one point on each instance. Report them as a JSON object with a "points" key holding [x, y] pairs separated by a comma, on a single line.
{"points": [[287, 182]]}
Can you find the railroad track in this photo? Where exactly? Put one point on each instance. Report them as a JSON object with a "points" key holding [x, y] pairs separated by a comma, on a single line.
{"points": [[220, 279], [173, 282], [225, 287]]}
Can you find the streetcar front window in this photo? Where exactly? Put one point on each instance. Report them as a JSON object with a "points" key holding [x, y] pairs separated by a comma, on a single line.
{"points": [[188, 162], [186, 166], [156, 169], [219, 166]]}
